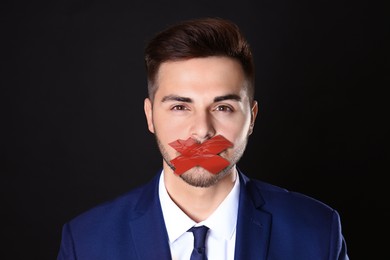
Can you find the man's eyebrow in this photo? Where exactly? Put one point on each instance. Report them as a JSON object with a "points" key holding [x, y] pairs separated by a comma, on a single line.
{"points": [[176, 98], [189, 100], [227, 97]]}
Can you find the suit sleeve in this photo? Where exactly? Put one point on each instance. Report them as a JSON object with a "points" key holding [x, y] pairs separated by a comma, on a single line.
{"points": [[66, 251], [339, 247]]}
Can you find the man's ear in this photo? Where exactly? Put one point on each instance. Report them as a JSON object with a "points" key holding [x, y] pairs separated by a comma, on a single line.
{"points": [[149, 114], [254, 111]]}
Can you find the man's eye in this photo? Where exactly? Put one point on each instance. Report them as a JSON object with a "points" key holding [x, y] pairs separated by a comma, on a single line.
{"points": [[224, 108], [179, 107]]}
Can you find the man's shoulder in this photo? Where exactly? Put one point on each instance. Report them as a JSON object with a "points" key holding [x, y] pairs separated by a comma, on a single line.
{"points": [[121, 208], [281, 198]]}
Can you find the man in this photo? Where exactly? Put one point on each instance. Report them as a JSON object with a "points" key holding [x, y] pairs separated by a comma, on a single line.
{"points": [[201, 109]]}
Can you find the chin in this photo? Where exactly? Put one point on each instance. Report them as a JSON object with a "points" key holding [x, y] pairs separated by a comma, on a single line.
{"points": [[199, 177]]}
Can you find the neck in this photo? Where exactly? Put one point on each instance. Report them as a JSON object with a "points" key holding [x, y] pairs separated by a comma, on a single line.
{"points": [[198, 203]]}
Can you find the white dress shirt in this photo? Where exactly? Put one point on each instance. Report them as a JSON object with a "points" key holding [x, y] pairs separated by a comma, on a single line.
{"points": [[221, 238]]}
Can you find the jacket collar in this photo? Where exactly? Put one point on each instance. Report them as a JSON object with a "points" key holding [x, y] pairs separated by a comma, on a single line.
{"points": [[147, 226], [253, 224], [150, 236]]}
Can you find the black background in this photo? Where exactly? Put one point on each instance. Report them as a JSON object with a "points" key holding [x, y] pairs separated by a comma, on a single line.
{"points": [[73, 132]]}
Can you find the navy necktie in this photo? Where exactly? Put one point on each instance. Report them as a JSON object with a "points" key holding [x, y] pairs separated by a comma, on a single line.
{"points": [[199, 252]]}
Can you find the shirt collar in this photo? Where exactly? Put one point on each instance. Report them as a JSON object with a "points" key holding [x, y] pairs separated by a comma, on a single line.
{"points": [[222, 222]]}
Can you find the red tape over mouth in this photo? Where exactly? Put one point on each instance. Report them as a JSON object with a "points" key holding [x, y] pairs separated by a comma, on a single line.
{"points": [[204, 155]]}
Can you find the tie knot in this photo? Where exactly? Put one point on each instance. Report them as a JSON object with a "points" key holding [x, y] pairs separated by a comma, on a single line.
{"points": [[199, 236]]}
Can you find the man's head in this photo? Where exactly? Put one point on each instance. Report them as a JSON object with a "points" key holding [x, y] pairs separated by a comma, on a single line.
{"points": [[198, 38], [200, 76]]}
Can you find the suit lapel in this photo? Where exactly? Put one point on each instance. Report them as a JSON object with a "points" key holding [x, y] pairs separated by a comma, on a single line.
{"points": [[150, 237], [253, 224], [148, 228]]}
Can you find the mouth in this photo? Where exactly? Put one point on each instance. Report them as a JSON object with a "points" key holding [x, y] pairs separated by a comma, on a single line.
{"points": [[205, 155]]}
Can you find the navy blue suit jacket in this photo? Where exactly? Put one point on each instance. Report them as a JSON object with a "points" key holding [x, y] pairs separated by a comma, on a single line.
{"points": [[273, 223]]}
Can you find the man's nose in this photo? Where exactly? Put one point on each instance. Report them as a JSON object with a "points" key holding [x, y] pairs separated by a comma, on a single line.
{"points": [[203, 126]]}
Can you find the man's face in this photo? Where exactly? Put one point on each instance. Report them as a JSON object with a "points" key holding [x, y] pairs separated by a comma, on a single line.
{"points": [[200, 98]]}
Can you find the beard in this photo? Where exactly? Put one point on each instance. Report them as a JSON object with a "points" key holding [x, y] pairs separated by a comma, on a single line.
{"points": [[200, 177]]}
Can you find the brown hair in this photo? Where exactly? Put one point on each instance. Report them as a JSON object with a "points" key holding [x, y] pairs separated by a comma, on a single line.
{"points": [[198, 38]]}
